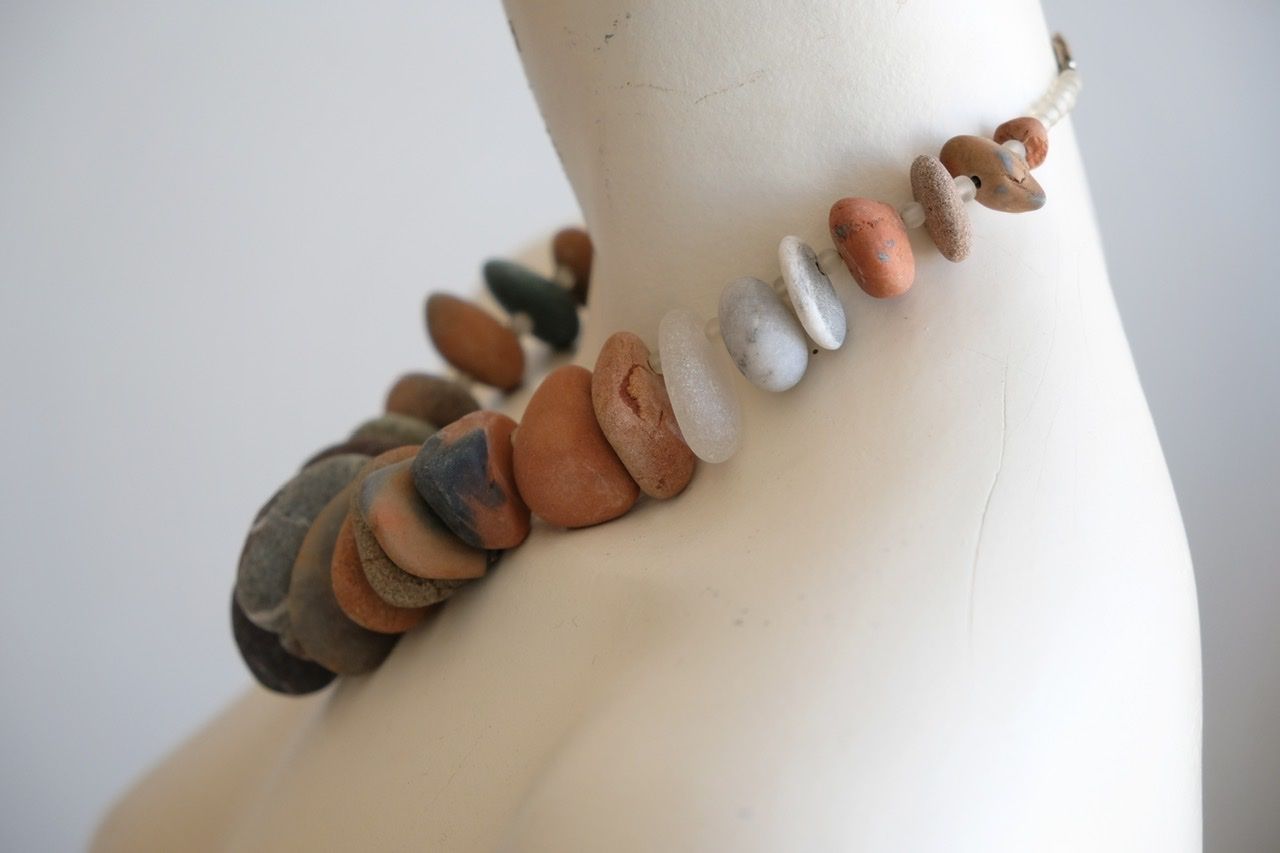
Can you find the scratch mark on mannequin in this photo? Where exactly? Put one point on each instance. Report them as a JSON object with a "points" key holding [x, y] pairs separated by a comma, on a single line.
{"points": [[751, 78], [991, 491]]}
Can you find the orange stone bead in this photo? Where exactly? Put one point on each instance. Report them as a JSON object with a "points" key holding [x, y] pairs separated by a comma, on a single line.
{"points": [[357, 598], [474, 342], [571, 248], [566, 471], [872, 240], [1031, 132]]}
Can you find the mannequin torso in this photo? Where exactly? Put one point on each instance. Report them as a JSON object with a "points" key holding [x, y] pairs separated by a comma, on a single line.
{"points": [[941, 598]]}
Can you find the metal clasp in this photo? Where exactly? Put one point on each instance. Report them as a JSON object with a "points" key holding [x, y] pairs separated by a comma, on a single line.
{"points": [[1062, 52]]}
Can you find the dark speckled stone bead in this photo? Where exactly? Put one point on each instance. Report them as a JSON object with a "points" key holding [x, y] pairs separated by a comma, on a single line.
{"points": [[273, 667], [520, 290], [464, 474], [433, 399], [367, 447], [316, 622], [270, 549], [394, 427]]}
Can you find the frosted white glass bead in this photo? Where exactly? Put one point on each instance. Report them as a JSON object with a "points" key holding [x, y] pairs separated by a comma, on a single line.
{"points": [[700, 389], [966, 187], [912, 214], [763, 338], [811, 294]]}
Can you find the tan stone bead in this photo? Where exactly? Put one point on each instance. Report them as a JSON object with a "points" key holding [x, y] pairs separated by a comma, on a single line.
{"points": [[635, 415], [872, 240], [571, 248], [1031, 132], [474, 342], [566, 471], [1003, 178], [357, 598], [945, 217]]}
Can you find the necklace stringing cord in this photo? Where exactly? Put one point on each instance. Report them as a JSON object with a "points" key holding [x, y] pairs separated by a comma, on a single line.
{"points": [[378, 529]]}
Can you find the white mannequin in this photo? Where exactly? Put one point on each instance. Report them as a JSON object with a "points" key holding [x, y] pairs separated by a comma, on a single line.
{"points": [[940, 600]]}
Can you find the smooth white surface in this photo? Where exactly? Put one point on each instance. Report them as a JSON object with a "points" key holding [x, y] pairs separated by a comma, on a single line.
{"points": [[940, 599], [171, 173]]}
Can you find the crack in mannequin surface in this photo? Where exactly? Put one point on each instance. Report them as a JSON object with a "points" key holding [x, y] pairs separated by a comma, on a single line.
{"points": [[940, 600]]}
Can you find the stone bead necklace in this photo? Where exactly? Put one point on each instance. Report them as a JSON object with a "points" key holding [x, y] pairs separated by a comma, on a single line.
{"points": [[380, 528]]}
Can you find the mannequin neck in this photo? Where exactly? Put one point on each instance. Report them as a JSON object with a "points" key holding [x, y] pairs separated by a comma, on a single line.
{"points": [[697, 134]]}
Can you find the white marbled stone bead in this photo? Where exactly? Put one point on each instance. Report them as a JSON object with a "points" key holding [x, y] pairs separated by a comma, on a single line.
{"points": [[763, 338], [700, 389], [811, 294]]}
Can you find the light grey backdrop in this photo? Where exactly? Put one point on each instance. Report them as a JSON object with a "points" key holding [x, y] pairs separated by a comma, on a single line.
{"points": [[217, 222]]}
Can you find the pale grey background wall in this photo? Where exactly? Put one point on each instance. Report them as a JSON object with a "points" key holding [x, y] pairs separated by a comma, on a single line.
{"points": [[217, 221]]}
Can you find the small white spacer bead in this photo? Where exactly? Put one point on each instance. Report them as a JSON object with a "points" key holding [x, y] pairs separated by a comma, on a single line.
{"points": [[459, 378], [564, 277], [829, 260], [712, 329], [521, 323], [967, 189], [912, 214], [1016, 146]]}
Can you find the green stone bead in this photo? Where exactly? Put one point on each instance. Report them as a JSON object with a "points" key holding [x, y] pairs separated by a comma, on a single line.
{"points": [[550, 306]]}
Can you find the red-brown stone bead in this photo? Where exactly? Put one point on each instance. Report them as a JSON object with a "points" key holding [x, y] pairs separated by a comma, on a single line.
{"points": [[567, 472], [635, 415], [357, 598], [571, 248], [474, 342], [1031, 132], [872, 240], [464, 473]]}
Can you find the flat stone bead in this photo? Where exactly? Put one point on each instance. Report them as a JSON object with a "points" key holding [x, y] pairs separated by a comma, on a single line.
{"points": [[433, 399], [763, 338], [392, 584], [571, 248], [316, 622], [566, 471], [465, 474], [945, 217], [357, 598], [474, 342], [1003, 178], [367, 447], [811, 294], [635, 415], [410, 533], [271, 548], [700, 390], [521, 290], [872, 240], [269, 663], [388, 428], [1031, 132]]}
